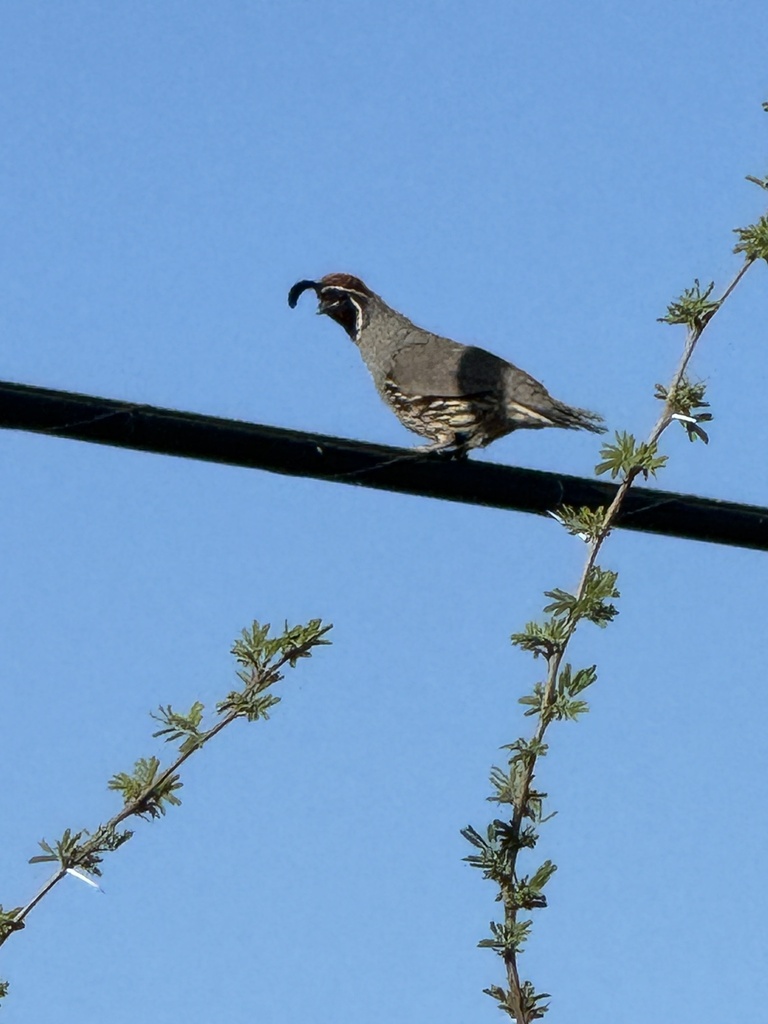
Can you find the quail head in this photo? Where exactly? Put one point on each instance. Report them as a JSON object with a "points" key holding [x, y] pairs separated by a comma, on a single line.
{"points": [[457, 396]]}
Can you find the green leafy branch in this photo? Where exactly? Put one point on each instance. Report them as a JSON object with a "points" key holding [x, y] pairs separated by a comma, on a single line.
{"points": [[559, 695], [150, 788]]}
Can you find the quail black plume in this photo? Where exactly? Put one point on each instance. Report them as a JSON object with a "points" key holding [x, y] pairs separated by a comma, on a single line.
{"points": [[458, 396]]}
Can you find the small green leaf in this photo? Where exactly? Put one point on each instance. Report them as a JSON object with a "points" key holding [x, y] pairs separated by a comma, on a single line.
{"points": [[534, 701], [8, 922], [545, 638], [587, 523], [594, 604], [540, 877], [626, 457], [683, 401], [753, 240], [146, 788], [584, 677], [694, 308], [181, 727], [562, 602], [507, 937]]}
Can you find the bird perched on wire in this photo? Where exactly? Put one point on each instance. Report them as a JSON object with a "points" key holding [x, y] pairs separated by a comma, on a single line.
{"points": [[457, 396]]}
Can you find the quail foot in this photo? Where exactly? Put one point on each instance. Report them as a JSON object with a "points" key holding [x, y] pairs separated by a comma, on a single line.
{"points": [[457, 396]]}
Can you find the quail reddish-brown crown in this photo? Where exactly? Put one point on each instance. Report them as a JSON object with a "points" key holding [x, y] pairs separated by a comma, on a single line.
{"points": [[344, 281]]}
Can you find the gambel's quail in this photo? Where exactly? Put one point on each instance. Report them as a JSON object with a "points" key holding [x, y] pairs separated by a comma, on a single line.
{"points": [[458, 396]]}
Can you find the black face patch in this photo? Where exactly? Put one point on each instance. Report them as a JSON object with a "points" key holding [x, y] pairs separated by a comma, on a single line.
{"points": [[342, 297], [340, 306]]}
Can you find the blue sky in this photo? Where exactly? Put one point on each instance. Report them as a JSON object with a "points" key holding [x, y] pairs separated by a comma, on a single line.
{"points": [[539, 179]]}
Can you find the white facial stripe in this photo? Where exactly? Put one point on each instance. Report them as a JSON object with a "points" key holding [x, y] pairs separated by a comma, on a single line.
{"points": [[358, 315], [343, 290]]}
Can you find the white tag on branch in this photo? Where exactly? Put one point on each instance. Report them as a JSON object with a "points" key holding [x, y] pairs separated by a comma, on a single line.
{"points": [[84, 878]]}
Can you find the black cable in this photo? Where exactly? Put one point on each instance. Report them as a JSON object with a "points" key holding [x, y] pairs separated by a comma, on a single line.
{"points": [[293, 452]]}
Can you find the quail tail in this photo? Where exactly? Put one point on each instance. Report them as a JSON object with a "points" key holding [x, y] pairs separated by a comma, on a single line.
{"points": [[576, 419]]}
